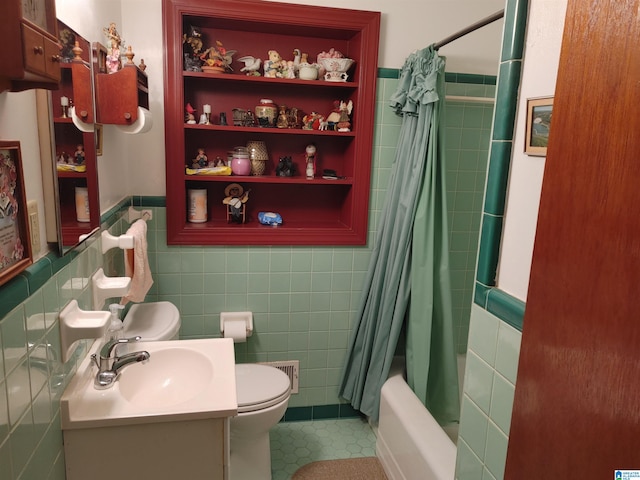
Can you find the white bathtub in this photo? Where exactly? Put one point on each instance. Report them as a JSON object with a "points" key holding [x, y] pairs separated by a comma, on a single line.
{"points": [[410, 444]]}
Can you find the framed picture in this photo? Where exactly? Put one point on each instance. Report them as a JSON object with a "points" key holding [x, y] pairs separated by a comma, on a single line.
{"points": [[15, 241], [538, 125]]}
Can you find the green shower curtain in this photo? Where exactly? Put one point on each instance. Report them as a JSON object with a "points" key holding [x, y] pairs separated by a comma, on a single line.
{"points": [[407, 282]]}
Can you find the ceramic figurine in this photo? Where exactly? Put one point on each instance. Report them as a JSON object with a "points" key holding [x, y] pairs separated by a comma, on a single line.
{"points": [[217, 58], [79, 154], [274, 66], [190, 118], [235, 199], [286, 167], [191, 49], [310, 161], [114, 42], [283, 121], [334, 117], [251, 65], [201, 160], [67, 40], [344, 124], [312, 121]]}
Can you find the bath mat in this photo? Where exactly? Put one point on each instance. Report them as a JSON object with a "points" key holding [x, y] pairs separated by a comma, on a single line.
{"points": [[366, 468]]}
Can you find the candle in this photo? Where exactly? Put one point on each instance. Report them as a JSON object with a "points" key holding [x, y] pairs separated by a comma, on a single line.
{"points": [[206, 108], [64, 101]]}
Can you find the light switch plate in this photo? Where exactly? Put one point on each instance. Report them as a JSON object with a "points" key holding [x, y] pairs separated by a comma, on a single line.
{"points": [[34, 226]]}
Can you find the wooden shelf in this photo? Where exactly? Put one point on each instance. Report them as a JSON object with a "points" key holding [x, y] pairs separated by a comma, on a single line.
{"points": [[314, 212]]}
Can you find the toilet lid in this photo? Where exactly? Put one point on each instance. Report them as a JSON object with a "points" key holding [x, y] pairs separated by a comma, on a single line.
{"points": [[260, 386], [152, 321]]}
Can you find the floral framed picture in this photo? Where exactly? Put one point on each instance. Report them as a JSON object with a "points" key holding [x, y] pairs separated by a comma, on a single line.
{"points": [[15, 240], [539, 112]]}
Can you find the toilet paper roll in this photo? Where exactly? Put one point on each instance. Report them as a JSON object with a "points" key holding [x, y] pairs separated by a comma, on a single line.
{"points": [[79, 123], [142, 125], [236, 329]]}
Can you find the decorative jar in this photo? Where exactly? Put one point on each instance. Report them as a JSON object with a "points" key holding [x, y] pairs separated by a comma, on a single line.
{"points": [[258, 155], [240, 163], [266, 113]]}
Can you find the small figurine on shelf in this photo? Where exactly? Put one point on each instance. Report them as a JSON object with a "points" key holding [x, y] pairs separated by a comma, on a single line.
{"points": [[334, 117], [235, 200], [67, 40], [223, 119], [344, 124], [217, 59], [201, 160], [251, 65], [114, 42], [191, 49], [274, 66], [286, 167], [311, 161], [190, 118], [283, 121], [312, 121], [79, 154]]}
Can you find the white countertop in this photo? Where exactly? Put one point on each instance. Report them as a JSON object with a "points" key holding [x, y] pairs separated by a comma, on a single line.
{"points": [[210, 383]]}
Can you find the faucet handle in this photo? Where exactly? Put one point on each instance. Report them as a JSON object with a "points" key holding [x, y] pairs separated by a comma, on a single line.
{"points": [[107, 348]]}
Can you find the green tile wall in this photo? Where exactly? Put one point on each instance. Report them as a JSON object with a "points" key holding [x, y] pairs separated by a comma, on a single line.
{"points": [[489, 385], [32, 377]]}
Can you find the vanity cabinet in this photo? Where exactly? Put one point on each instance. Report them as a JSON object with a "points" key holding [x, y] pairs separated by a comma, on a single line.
{"points": [[30, 56], [189, 449], [317, 211], [76, 89]]}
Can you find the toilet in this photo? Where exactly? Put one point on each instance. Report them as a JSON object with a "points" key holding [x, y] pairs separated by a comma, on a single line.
{"points": [[263, 393]]}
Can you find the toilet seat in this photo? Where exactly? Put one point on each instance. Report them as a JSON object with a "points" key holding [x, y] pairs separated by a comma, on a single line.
{"points": [[152, 321], [260, 386]]}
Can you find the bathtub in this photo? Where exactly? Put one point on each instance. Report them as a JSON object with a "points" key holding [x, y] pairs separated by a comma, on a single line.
{"points": [[410, 444]]}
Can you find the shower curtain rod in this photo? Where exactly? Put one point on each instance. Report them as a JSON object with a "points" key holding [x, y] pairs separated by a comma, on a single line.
{"points": [[471, 28]]}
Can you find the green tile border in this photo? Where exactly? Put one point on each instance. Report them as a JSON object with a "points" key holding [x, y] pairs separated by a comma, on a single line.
{"points": [[388, 73], [506, 307], [320, 412], [476, 79], [450, 77]]}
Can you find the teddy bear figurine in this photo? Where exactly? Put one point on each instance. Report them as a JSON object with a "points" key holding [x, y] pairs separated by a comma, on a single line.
{"points": [[274, 66]]}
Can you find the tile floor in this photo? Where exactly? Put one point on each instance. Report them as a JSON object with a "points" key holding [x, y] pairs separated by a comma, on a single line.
{"points": [[294, 444]]}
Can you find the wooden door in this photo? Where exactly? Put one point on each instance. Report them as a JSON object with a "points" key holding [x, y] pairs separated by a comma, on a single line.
{"points": [[577, 400]]}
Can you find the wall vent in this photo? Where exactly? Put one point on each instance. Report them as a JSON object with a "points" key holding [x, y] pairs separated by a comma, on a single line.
{"points": [[291, 368]]}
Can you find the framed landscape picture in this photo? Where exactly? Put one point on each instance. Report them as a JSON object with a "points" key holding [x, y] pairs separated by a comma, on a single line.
{"points": [[539, 112], [15, 241]]}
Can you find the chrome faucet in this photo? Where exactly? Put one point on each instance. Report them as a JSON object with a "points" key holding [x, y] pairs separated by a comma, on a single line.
{"points": [[110, 365]]}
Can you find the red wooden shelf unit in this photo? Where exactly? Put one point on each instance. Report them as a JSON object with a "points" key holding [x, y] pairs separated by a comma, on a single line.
{"points": [[314, 212]]}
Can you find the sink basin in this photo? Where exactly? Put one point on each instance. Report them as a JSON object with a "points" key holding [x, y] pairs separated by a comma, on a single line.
{"points": [[171, 376], [182, 380]]}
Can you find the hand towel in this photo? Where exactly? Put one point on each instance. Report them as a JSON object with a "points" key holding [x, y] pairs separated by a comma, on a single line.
{"points": [[136, 264]]}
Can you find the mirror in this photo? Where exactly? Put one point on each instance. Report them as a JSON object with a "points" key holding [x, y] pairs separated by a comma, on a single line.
{"points": [[77, 196], [76, 140]]}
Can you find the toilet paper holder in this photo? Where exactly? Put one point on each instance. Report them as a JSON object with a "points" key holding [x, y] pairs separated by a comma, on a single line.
{"points": [[246, 317]]}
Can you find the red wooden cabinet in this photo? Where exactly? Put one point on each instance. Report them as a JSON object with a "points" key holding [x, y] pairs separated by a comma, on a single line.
{"points": [[30, 56], [314, 212]]}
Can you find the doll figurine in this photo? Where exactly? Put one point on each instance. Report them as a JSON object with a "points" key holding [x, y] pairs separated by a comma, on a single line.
{"points": [[311, 161]]}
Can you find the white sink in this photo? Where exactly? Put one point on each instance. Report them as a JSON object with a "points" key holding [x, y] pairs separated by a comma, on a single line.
{"points": [[170, 377], [182, 380]]}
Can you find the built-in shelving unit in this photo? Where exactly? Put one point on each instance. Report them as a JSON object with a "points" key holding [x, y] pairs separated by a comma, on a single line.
{"points": [[314, 212]]}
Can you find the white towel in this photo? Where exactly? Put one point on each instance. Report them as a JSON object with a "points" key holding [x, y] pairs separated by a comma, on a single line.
{"points": [[136, 264]]}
